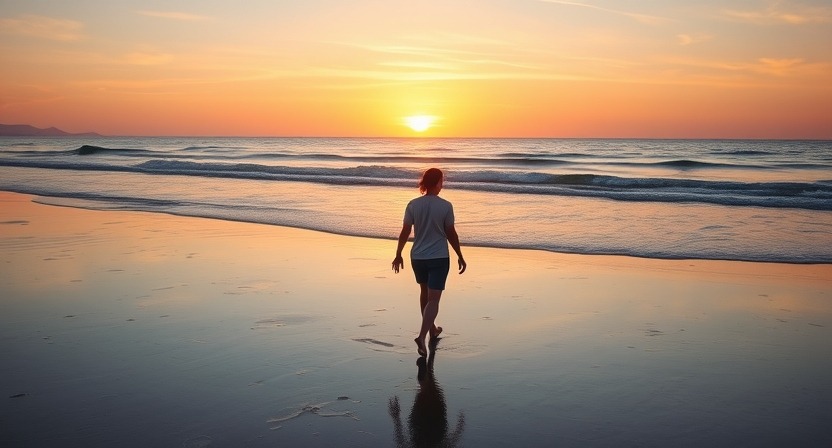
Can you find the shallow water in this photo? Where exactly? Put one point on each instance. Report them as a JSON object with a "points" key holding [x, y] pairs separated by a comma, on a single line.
{"points": [[735, 200]]}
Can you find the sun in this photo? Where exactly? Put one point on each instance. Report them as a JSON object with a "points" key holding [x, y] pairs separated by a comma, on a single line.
{"points": [[419, 123]]}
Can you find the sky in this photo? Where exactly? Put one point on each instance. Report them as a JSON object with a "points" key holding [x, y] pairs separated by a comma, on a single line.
{"points": [[487, 68]]}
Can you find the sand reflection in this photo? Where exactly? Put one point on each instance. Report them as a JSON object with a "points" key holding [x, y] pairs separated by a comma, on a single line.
{"points": [[428, 420]]}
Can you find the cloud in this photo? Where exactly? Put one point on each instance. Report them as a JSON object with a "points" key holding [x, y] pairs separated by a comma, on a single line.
{"points": [[172, 15], [444, 38], [778, 67], [643, 18], [411, 76], [443, 60], [778, 14], [43, 28], [690, 39], [762, 70]]}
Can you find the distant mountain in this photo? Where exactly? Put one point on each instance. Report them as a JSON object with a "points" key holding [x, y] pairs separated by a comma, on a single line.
{"points": [[24, 130]]}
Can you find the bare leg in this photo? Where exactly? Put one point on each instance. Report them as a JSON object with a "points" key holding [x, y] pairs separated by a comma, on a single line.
{"points": [[423, 301], [429, 314]]}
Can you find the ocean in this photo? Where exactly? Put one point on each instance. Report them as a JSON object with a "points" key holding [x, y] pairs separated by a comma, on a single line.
{"points": [[745, 200]]}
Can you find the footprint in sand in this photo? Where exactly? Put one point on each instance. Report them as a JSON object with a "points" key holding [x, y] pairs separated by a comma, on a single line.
{"points": [[314, 409], [282, 321], [374, 341]]}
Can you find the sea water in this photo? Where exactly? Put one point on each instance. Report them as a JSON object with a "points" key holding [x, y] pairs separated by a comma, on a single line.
{"points": [[748, 200]]}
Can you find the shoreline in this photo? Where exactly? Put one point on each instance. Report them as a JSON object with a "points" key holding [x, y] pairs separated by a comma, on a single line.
{"points": [[139, 328], [682, 200], [56, 201]]}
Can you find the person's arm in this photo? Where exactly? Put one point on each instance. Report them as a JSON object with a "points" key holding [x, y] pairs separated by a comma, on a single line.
{"points": [[453, 238], [398, 262]]}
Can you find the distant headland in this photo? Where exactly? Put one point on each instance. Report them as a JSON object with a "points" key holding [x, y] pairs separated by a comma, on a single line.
{"points": [[24, 130]]}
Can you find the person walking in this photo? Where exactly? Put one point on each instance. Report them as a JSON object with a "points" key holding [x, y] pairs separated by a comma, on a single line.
{"points": [[432, 220]]}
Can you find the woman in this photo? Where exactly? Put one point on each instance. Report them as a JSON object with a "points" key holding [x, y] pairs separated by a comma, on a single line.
{"points": [[433, 220]]}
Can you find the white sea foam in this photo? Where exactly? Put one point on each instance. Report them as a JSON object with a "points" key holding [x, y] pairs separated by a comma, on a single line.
{"points": [[742, 200]]}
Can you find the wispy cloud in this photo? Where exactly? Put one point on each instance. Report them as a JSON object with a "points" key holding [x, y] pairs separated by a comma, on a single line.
{"points": [[173, 15], [691, 39], [643, 18], [777, 13], [43, 28], [411, 76], [417, 65], [415, 50], [761, 69], [779, 67], [435, 62], [457, 39]]}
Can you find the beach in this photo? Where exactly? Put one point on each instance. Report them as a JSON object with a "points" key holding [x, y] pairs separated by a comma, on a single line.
{"points": [[145, 329], [740, 200]]}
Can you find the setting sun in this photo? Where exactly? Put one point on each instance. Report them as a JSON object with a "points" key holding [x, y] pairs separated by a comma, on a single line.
{"points": [[536, 68], [419, 123]]}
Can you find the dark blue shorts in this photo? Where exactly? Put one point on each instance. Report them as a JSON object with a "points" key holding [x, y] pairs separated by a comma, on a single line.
{"points": [[434, 272]]}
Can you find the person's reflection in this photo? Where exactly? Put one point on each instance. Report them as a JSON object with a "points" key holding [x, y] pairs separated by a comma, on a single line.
{"points": [[428, 420]]}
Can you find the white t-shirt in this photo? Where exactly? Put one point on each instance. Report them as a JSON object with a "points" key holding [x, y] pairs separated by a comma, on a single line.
{"points": [[429, 215]]}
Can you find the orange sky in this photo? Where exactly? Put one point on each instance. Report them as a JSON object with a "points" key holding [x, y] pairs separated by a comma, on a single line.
{"points": [[508, 68]]}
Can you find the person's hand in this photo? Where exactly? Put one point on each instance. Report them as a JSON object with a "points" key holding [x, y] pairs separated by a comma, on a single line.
{"points": [[462, 265], [398, 263]]}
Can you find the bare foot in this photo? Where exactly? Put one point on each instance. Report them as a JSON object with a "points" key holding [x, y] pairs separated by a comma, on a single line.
{"points": [[420, 347], [436, 332]]}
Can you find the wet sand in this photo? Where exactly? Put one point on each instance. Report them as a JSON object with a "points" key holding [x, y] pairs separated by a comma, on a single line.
{"points": [[137, 329]]}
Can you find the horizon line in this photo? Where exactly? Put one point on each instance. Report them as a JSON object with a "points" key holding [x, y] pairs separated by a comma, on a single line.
{"points": [[404, 137]]}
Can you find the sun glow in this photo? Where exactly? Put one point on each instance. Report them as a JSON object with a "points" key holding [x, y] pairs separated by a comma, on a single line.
{"points": [[419, 123]]}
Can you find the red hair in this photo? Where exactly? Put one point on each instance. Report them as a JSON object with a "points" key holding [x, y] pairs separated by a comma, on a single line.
{"points": [[430, 178]]}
